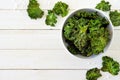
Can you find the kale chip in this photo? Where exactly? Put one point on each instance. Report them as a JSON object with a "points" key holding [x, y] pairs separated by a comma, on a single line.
{"points": [[115, 17], [33, 10], [104, 6], [93, 74], [110, 65], [51, 18], [61, 8]]}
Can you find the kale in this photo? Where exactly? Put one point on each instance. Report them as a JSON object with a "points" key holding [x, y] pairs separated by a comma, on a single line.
{"points": [[71, 47], [104, 6], [98, 43], [110, 65], [51, 18], [93, 74], [61, 8], [88, 33], [33, 10], [115, 17]]}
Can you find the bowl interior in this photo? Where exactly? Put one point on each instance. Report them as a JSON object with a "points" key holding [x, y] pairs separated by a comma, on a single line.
{"points": [[110, 28]]}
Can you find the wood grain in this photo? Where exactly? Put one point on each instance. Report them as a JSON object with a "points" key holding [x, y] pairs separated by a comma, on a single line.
{"points": [[49, 60], [39, 40], [31, 50], [50, 75], [19, 19], [45, 4]]}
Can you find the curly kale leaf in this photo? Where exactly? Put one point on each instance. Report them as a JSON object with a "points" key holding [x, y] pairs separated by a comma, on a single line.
{"points": [[88, 32], [84, 14], [51, 18], [70, 30], [81, 41], [104, 6], [33, 10], [98, 43], [93, 74], [115, 17], [61, 8], [71, 47], [109, 65]]}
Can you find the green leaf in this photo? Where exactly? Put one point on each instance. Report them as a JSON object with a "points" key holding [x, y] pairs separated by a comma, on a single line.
{"points": [[33, 10], [104, 6], [61, 8], [93, 74], [51, 18], [110, 65], [115, 17]]}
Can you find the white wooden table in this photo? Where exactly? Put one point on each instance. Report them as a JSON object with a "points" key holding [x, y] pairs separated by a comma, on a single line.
{"points": [[30, 50]]}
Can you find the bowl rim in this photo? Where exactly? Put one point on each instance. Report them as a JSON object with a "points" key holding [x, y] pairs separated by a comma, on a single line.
{"points": [[101, 14]]}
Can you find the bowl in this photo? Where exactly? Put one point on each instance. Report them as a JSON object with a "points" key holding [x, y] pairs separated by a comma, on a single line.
{"points": [[109, 27]]}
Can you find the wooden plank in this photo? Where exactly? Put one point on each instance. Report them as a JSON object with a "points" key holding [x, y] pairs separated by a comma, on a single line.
{"points": [[39, 39], [51, 75], [45, 4], [8, 4], [50, 59], [19, 19], [50, 4], [30, 39], [43, 75], [115, 41]]}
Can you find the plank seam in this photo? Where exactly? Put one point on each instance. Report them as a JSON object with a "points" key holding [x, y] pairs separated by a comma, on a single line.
{"points": [[43, 69]]}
